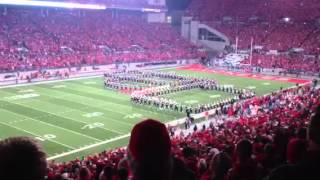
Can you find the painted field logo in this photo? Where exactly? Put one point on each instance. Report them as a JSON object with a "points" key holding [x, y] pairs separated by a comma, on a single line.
{"points": [[26, 91], [191, 101], [46, 137], [93, 114], [59, 86], [251, 87], [22, 96], [215, 96], [93, 125], [266, 83], [132, 116]]}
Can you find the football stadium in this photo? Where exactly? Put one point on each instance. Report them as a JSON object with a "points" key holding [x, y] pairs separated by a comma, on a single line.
{"points": [[159, 89]]}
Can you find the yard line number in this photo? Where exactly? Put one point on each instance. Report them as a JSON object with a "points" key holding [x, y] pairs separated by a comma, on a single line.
{"points": [[46, 137]]}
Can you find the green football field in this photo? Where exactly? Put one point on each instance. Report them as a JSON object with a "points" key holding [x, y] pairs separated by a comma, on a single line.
{"points": [[202, 96], [79, 117]]}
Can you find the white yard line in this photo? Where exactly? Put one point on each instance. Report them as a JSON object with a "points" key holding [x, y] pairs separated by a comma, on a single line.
{"points": [[72, 110], [59, 127], [164, 68], [92, 145], [55, 114], [49, 81], [88, 147], [101, 107], [103, 142], [69, 79], [291, 87], [33, 134], [120, 137]]}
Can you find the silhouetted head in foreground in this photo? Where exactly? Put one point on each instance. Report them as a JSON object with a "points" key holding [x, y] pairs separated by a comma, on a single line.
{"points": [[244, 150], [22, 158], [314, 131], [149, 151]]}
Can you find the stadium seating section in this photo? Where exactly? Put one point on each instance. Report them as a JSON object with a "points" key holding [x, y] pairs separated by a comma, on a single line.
{"points": [[123, 3], [263, 21], [32, 39], [293, 65]]}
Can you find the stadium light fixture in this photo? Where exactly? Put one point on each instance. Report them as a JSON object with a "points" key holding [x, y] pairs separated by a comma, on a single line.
{"points": [[286, 19], [151, 10], [52, 4]]}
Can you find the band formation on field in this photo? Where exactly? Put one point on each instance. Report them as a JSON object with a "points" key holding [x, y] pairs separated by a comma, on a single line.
{"points": [[149, 88]]}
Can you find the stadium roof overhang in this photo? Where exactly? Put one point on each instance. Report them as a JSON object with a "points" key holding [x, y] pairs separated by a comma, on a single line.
{"points": [[72, 5], [68, 5]]}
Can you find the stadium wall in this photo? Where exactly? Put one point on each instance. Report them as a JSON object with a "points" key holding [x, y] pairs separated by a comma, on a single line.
{"points": [[190, 30], [156, 17], [7, 79]]}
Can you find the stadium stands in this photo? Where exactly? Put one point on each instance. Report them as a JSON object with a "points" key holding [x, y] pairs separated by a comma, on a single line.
{"points": [[275, 36], [118, 3], [281, 26], [33, 39], [275, 25], [262, 137], [294, 65], [268, 10]]}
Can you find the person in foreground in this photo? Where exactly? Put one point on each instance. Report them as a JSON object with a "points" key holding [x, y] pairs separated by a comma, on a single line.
{"points": [[308, 166], [21, 158], [149, 154], [245, 166]]}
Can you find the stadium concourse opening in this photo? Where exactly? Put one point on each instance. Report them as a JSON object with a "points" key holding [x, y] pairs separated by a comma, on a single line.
{"points": [[159, 89]]}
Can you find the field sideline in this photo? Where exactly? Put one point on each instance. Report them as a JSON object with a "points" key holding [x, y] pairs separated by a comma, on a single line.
{"points": [[79, 117]]}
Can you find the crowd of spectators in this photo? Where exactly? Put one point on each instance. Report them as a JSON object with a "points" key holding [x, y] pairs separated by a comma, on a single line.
{"points": [[275, 136], [41, 38], [216, 10], [265, 137], [298, 64], [273, 25], [35, 38], [280, 36], [120, 3], [269, 10]]}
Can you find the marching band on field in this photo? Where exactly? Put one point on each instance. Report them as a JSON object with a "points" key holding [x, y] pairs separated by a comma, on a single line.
{"points": [[162, 83]]}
